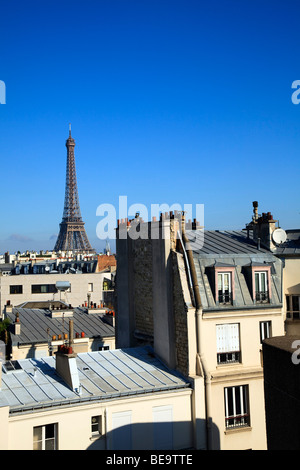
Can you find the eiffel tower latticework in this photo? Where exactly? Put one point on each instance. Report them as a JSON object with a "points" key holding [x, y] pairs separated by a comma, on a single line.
{"points": [[72, 235]]}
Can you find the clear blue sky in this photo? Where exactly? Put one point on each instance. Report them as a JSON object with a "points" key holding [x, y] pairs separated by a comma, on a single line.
{"points": [[171, 101]]}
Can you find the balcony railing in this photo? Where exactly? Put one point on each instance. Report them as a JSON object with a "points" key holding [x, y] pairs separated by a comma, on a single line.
{"points": [[238, 421], [229, 357], [262, 297], [225, 297]]}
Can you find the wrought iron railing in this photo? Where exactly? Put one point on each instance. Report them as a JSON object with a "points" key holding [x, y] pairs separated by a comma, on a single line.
{"points": [[262, 296], [225, 297]]}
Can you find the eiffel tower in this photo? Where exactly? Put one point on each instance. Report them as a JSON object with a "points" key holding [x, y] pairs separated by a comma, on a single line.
{"points": [[72, 235]]}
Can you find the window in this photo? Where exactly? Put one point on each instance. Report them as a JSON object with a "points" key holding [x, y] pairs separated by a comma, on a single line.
{"points": [[293, 306], [224, 288], [265, 330], [236, 406], [104, 347], [261, 287], [163, 431], [228, 343], [90, 287], [43, 288], [96, 425], [44, 437], [16, 289]]}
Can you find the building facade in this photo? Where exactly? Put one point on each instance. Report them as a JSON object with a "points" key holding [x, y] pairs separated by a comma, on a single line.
{"points": [[38, 329], [205, 301], [40, 282], [110, 400]]}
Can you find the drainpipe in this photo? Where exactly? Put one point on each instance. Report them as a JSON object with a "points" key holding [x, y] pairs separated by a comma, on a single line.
{"points": [[198, 314]]}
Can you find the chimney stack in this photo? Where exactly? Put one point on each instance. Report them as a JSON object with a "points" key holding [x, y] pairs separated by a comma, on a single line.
{"points": [[71, 333], [17, 325], [263, 226], [66, 365]]}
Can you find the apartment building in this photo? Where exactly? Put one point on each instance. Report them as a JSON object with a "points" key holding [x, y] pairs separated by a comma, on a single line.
{"points": [[107, 400], [45, 281], [289, 252], [205, 301], [38, 329]]}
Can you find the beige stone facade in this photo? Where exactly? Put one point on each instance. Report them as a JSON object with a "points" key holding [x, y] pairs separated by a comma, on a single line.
{"points": [[16, 289], [228, 394], [73, 424]]}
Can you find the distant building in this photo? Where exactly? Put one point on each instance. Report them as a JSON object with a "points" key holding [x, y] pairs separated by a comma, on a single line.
{"points": [[38, 329], [107, 263], [40, 282]]}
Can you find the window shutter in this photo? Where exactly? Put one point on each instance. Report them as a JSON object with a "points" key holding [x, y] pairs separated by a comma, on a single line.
{"points": [[228, 338]]}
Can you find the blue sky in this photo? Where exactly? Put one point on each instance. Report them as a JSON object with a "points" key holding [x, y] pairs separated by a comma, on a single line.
{"points": [[178, 101]]}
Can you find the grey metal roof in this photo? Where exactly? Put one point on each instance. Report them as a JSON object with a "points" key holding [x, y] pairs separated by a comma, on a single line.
{"points": [[102, 375], [237, 241], [35, 322], [223, 242], [233, 249], [292, 244]]}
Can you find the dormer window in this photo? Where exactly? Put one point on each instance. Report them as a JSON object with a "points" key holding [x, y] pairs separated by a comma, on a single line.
{"points": [[258, 277], [261, 287], [224, 288], [224, 283]]}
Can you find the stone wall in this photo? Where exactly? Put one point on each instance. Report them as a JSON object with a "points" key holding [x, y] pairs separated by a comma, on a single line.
{"points": [[180, 319], [143, 299]]}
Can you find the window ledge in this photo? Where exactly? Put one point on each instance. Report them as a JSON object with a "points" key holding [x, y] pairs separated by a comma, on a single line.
{"points": [[238, 429], [228, 364], [95, 437]]}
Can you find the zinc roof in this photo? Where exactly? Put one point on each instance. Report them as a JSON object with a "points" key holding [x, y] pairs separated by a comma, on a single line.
{"points": [[235, 250], [103, 375], [35, 322]]}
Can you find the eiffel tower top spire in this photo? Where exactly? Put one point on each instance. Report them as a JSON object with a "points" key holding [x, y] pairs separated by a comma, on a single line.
{"points": [[72, 235]]}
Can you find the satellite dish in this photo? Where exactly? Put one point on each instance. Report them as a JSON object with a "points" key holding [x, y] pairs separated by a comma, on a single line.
{"points": [[47, 268], [279, 236]]}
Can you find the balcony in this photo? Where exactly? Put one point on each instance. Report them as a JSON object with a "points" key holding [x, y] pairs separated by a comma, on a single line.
{"points": [[262, 297]]}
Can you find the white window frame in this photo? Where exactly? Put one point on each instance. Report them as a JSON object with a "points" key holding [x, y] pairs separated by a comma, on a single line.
{"points": [[90, 287], [241, 419], [43, 439], [228, 343], [221, 275], [291, 313], [98, 423], [261, 274], [265, 328]]}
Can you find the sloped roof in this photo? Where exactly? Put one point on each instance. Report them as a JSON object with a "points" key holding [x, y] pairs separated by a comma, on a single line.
{"points": [[35, 322], [106, 262], [223, 242], [233, 249], [292, 244], [102, 375]]}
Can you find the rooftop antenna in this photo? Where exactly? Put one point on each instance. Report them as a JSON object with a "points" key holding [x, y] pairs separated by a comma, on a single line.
{"points": [[69, 129]]}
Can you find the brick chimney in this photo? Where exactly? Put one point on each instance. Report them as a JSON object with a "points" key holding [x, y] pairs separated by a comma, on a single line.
{"points": [[17, 325], [263, 226]]}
